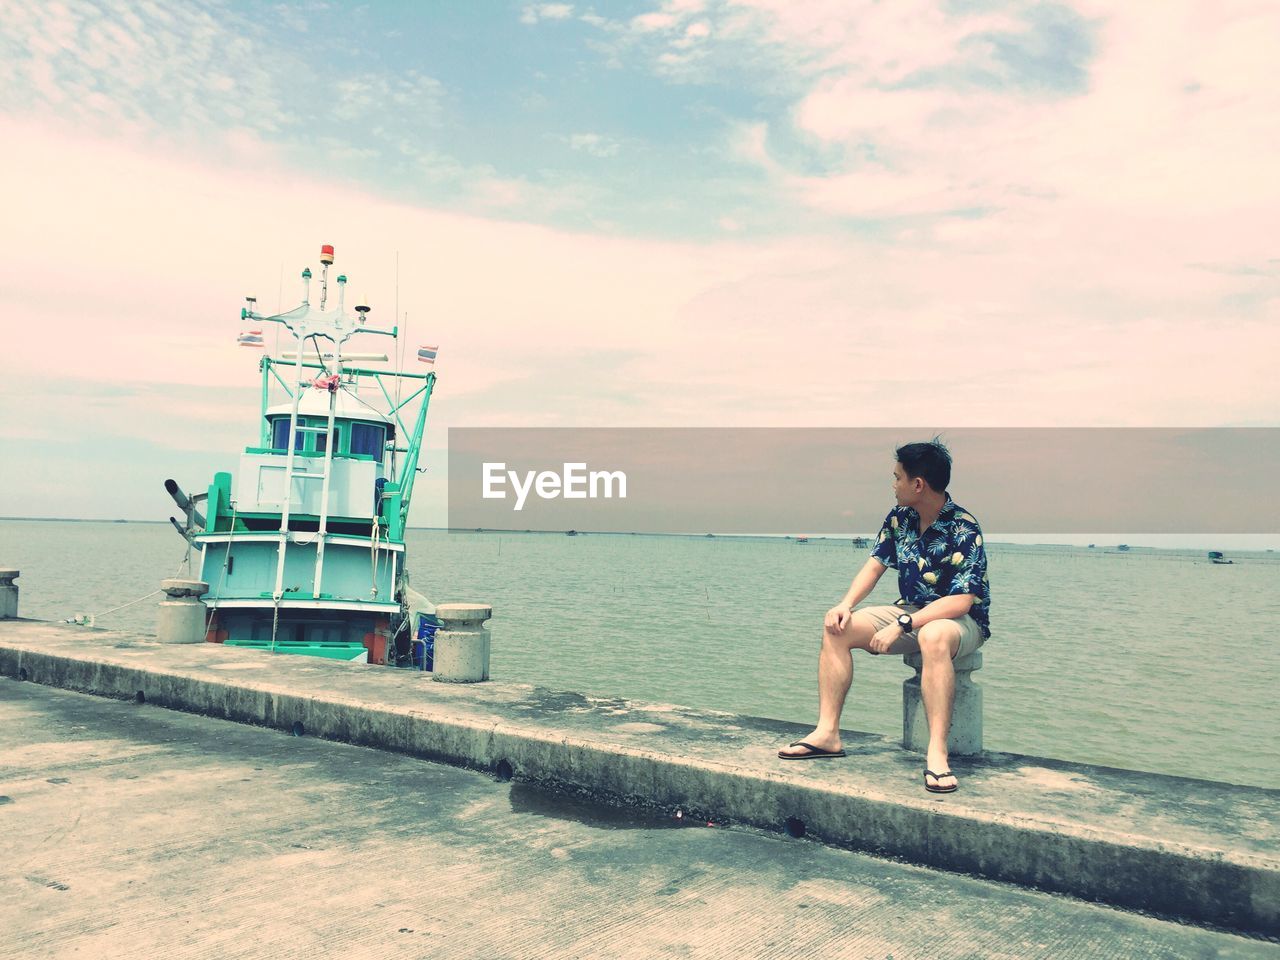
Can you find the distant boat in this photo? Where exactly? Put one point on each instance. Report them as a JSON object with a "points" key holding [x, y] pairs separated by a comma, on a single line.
{"points": [[860, 541], [1092, 545], [802, 539], [1124, 547], [571, 533], [1215, 556], [711, 536]]}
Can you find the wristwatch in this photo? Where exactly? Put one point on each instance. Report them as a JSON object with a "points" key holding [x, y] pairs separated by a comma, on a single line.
{"points": [[904, 621]]}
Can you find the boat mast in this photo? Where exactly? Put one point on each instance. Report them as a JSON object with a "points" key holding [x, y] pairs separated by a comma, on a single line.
{"points": [[326, 258], [287, 494]]}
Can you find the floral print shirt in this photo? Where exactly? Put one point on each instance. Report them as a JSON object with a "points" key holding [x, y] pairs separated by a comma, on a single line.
{"points": [[946, 560]]}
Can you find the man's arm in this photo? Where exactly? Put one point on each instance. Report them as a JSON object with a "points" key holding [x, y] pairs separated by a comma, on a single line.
{"points": [[944, 608], [862, 585]]}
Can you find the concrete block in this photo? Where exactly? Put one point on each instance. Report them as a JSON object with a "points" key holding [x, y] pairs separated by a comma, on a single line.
{"points": [[462, 643], [965, 738], [181, 617], [8, 593]]}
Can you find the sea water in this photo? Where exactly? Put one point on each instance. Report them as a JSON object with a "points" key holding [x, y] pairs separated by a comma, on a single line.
{"points": [[1151, 660]]}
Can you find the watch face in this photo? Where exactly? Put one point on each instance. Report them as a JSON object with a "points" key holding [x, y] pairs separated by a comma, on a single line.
{"points": [[904, 621]]}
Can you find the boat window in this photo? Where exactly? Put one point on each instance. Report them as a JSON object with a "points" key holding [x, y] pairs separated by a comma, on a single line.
{"points": [[280, 435], [368, 439]]}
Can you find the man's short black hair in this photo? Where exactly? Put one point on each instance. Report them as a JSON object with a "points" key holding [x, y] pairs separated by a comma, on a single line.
{"points": [[930, 461]]}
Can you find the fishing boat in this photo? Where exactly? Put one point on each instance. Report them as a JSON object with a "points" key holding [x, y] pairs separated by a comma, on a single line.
{"points": [[1215, 556], [303, 547]]}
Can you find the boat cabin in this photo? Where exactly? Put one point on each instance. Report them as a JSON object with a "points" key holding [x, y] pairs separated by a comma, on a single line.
{"points": [[362, 442]]}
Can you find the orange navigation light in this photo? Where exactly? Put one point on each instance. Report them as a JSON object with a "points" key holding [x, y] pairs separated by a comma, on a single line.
{"points": [[326, 253]]}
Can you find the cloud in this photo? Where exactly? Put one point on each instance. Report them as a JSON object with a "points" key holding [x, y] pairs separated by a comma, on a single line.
{"points": [[944, 110], [1129, 142], [650, 22], [546, 11], [1028, 296], [125, 67], [1085, 319], [1073, 209], [595, 144], [411, 98]]}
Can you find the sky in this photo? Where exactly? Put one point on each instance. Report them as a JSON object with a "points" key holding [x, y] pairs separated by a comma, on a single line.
{"points": [[672, 212]]}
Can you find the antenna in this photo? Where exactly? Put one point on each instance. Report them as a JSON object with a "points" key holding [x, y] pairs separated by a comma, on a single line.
{"points": [[279, 306], [326, 259], [400, 342], [399, 339]]}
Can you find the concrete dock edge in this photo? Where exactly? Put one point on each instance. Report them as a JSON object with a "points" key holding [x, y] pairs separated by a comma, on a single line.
{"points": [[1238, 888]]}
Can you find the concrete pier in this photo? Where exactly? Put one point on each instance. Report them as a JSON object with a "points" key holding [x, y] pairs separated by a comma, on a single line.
{"points": [[129, 830], [1189, 849]]}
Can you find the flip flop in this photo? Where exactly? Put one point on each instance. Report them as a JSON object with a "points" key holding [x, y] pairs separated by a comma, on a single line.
{"points": [[815, 753], [938, 776]]}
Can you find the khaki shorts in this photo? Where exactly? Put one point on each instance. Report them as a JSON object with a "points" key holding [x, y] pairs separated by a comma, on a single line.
{"points": [[970, 633]]}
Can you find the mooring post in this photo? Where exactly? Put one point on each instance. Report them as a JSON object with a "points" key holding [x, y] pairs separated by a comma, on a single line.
{"points": [[181, 616], [462, 643], [8, 593], [966, 715]]}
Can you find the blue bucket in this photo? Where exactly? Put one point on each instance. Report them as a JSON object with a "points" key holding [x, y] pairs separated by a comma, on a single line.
{"points": [[427, 627]]}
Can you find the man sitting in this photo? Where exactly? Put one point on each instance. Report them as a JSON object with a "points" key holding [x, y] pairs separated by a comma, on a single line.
{"points": [[943, 610]]}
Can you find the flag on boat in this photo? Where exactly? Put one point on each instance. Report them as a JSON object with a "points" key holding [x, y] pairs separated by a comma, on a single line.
{"points": [[427, 354], [251, 338]]}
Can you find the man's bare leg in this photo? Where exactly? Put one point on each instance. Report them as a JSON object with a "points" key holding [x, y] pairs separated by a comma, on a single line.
{"points": [[835, 674], [938, 642]]}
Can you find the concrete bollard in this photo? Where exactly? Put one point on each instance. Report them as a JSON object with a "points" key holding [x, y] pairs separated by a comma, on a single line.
{"points": [[181, 618], [966, 717], [8, 594], [462, 642]]}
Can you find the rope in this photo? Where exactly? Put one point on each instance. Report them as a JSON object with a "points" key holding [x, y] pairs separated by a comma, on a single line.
{"points": [[275, 621], [359, 399], [374, 538], [87, 620]]}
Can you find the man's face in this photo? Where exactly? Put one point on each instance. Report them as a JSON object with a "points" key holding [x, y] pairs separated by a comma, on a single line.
{"points": [[905, 490]]}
